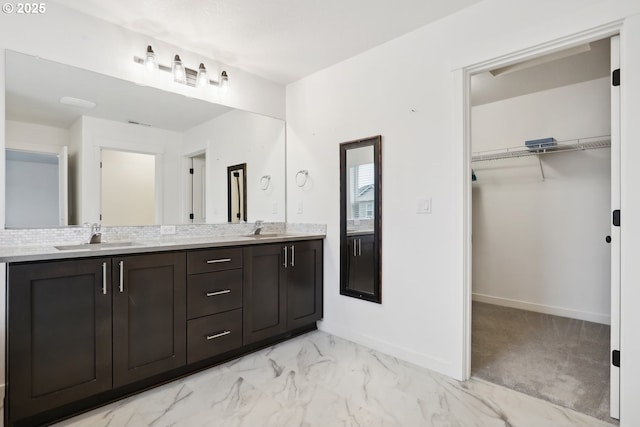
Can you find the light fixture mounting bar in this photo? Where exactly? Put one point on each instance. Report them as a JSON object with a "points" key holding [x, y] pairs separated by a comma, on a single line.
{"points": [[191, 74]]}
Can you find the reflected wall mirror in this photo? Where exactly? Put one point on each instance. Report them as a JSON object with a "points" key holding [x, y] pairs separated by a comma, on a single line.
{"points": [[360, 218], [237, 193], [45, 114]]}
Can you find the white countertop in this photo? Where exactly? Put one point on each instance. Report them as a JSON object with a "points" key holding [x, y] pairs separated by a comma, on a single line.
{"points": [[49, 251]]}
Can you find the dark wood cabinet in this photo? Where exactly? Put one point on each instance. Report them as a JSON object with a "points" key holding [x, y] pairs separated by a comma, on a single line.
{"points": [[361, 265], [149, 315], [83, 332], [282, 288], [304, 284], [59, 333]]}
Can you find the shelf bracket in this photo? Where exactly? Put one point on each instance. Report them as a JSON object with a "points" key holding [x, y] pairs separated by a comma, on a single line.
{"points": [[541, 168]]}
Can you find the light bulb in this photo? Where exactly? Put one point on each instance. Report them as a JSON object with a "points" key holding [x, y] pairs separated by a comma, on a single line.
{"points": [[150, 60], [203, 77], [224, 80], [179, 74]]}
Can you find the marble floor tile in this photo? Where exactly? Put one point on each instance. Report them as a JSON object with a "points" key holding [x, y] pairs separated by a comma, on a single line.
{"points": [[321, 380]]}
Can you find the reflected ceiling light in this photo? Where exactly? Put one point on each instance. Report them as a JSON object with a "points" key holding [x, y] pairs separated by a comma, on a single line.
{"points": [[182, 74], [77, 102]]}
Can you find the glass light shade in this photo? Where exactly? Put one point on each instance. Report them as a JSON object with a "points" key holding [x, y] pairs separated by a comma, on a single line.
{"points": [[179, 73], [150, 60], [203, 77], [224, 80]]}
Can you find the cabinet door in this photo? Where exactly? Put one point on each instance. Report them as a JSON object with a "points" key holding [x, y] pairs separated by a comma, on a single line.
{"points": [[59, 333], [304, 283], [149, 315], [263, 293]]}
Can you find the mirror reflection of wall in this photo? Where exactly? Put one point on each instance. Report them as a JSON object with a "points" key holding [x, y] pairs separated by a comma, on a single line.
{"points": [[127, 188], [237, 193], [131, 117], [361, 183]]}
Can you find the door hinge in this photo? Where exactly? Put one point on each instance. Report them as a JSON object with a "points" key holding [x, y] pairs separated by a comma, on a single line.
{"points": [[191, 171], [616, 217], [615, 77], [615, 358], [191, 216], [100, 165]]}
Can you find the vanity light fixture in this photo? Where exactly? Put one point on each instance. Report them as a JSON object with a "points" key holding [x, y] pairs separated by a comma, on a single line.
{"points": [[182, 74]]}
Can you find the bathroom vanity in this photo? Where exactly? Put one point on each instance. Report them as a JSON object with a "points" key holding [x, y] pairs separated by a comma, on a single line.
{"points": [[86, 327]]}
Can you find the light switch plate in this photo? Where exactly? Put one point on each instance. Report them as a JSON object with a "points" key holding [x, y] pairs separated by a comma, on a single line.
{"points": [[424, 205]]}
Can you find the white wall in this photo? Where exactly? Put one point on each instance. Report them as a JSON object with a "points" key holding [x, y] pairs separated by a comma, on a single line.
{"points": [[34, 137], [240, 137], [408, 91], [539, 245]]}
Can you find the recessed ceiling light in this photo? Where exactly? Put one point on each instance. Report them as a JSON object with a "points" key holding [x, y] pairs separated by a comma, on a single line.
{"points": [[77, 102]]}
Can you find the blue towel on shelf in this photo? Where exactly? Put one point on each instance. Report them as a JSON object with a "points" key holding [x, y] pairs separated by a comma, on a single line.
{"points": [[540, 143]]}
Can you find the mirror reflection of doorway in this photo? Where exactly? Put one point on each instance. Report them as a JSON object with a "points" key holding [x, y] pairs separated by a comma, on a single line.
{"points": [[197, 190], [36, 188], [127, 188], [237, 193]]}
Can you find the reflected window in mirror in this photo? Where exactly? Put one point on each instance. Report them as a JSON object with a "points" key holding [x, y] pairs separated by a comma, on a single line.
{"points": [[237, 192], [360, 218]]}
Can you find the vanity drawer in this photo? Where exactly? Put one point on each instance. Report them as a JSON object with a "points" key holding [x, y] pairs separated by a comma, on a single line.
{"points": [[212, 335], [213, 260], [211, 293]]}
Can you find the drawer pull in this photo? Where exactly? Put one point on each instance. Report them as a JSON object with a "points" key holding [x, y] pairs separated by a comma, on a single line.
{"points": [[217, 261], [104, 278], [221, 334], [213, 294]]}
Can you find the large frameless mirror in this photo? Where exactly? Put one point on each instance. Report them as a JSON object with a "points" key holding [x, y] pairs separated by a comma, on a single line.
{"points": [[360, 219]]}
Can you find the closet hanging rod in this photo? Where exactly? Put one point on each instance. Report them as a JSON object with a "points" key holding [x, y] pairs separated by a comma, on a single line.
{"points": [[560, 147]]}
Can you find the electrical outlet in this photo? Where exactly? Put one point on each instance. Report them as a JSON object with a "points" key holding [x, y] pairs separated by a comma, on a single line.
{"points": [[300, 207], [274, 208], [167, 229]]}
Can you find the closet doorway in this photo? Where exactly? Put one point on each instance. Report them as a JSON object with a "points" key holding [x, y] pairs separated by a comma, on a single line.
{"points": [[542, 201]]}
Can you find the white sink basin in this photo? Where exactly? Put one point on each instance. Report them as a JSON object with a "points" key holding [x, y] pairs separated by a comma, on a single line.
{"points": [[94, 246]]}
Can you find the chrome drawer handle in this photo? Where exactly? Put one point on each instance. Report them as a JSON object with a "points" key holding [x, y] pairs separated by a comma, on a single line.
{"points": [[221, 334], [213, 294], [121, 276], [216, 261]]}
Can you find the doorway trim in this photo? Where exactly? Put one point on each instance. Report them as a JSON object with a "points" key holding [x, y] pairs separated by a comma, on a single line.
{"points": [[462, 122]]}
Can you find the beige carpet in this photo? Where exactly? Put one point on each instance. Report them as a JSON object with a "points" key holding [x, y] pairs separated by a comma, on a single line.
{"points": [[562, 360]]}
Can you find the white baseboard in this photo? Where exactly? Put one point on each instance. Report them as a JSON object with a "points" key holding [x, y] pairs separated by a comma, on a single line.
{"points": [[546, 309]]}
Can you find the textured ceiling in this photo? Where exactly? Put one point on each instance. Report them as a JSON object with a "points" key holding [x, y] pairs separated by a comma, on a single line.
{"points": [[281, 40]]}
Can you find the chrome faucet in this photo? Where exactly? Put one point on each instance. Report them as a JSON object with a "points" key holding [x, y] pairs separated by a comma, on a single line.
{"points": [[96, 234], [257, 228]]}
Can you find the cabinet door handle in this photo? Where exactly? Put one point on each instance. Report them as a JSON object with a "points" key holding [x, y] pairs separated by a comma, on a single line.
{"points": [[293, 256], [217, 261], [213, 294], [104, 278], [359, 247], [285, 257], [355, 247], [121, 276], [221, 334]]}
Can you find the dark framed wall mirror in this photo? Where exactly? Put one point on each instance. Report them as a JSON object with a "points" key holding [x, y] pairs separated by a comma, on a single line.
{"points": [[237, 192], [360, 218]]}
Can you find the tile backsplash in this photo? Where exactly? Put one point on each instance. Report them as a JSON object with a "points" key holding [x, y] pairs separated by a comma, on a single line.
{"points": [[80, 234]]}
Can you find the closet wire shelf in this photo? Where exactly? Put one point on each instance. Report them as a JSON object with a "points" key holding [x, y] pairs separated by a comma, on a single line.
{"points": [[560, 147]]}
